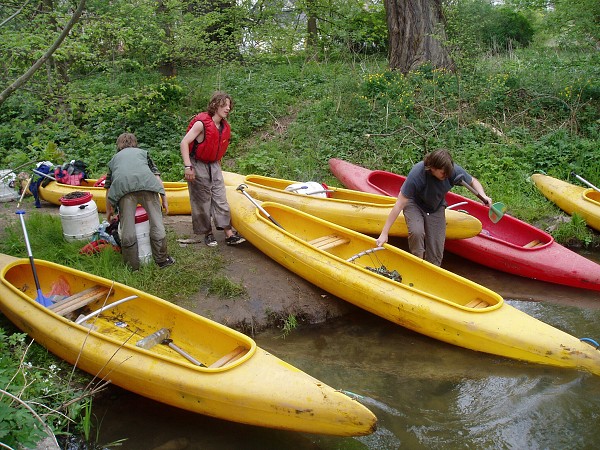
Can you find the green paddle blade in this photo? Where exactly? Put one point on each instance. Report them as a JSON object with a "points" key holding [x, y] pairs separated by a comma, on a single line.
{"points": [[497, 210]]}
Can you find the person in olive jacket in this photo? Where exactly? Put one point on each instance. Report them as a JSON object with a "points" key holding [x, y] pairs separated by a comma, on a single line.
{"points": [[134, 179]]}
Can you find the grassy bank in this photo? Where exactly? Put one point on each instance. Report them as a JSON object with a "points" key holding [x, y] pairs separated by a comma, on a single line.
{"points": [[503, 119]]}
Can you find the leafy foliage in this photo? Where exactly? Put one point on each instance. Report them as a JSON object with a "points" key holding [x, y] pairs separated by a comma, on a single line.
{"points": [[35, 379]]}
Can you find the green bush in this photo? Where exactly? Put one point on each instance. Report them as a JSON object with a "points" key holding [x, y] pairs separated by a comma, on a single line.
{"points": [[41, 387]]}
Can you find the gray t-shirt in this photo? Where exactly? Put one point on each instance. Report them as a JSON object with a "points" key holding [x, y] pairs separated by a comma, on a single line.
{"points": [[426, 190]]}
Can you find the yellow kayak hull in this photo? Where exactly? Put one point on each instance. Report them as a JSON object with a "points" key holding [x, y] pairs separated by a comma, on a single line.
{"points": [[428, 300], [254, 387], [176, 192], [360, 211], [571, 198]]}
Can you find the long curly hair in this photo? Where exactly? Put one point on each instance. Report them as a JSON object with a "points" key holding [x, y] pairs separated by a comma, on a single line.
{"points": [[217, 100]]}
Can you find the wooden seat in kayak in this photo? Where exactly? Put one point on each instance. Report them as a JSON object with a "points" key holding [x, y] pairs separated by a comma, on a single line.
{"points": [[79, 300], [230, 357], [329, 241], [477, 303], [534, 243]]}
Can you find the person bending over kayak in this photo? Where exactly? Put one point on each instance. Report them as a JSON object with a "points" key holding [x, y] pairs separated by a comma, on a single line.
{"points": [[422, 198]]}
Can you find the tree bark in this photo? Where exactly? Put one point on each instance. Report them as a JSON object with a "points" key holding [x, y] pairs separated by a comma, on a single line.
{"points": [[312, 36], [27, 75], [166, 66], [416, 34]]}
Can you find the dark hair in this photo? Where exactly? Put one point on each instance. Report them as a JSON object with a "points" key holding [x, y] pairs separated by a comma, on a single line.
{"points": [[217, 100], [126, 140], [439, 159]]}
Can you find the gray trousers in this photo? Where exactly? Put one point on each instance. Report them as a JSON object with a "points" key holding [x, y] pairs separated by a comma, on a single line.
{"points": [[426, 233], [208, 198], [129, 245]]}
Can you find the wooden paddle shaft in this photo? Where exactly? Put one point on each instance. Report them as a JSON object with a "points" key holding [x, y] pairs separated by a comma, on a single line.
{"points": [[472, 189]]}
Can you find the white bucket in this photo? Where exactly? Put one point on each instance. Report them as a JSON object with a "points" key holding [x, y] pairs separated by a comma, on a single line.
{"points": [[142, 231], [7, 191], [311, 188], [78, 216]]}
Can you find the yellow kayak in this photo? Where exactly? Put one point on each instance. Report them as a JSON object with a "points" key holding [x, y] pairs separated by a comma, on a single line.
{"points": [[571, 198], [176, 192], [202, 366], [360, 211], [402, 288]]}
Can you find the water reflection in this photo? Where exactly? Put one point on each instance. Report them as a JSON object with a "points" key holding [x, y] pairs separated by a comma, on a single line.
{"points": [[426, 394]]}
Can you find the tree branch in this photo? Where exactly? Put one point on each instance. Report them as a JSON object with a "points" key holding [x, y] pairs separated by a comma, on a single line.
{"points": [[27, 75], [17, 12]]}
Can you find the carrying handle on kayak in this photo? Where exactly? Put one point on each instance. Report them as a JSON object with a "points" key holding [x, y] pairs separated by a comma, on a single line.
{"points": [[242, 188], [82, 319], [365, 252]]}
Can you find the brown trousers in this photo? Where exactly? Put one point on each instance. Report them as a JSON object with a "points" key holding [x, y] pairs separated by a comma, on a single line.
{"points": [[208, 198], [158, 236], [426, 233]]}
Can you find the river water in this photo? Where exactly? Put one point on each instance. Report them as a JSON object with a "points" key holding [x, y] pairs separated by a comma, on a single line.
{"points": [[426, 394]]}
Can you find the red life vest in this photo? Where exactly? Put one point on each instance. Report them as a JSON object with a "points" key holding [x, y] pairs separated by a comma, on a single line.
{"points": [[215, 142]]}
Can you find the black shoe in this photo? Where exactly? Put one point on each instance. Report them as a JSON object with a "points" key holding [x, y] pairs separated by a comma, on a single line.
{"points": [[234, 239], [210, 240], [167, 262]]}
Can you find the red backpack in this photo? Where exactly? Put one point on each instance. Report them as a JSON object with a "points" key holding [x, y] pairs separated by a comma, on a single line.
{"points": [[70, 173]]}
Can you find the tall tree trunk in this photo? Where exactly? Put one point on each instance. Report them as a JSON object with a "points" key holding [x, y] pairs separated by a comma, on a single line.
{"points": [[416, 34], [59, 40], [312, 37], [221, 34], [167, 65], [46, 7]]}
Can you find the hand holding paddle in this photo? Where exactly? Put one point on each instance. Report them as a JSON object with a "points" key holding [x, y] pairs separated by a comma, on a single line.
{"points": [[496, 210]]}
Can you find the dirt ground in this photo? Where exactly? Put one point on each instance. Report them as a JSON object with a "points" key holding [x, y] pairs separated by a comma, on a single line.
{"points": [[273, 292]]}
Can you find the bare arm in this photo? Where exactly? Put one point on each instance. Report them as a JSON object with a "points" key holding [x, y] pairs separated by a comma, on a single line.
{"points": [[400, 204], [479, 188], [196, 131], [109, 208]]}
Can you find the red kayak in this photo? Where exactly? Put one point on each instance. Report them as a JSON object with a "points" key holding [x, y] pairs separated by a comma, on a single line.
{"points": [[511, 245]]}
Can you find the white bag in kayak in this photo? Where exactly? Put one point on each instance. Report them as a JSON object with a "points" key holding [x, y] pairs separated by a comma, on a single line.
{"points": [[308, 188]]}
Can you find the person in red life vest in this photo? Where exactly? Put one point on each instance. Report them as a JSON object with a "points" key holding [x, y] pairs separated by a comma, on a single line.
{"points": [[134, 179], [202, 149]]}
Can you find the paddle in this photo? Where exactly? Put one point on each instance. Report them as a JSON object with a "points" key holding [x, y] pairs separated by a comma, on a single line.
{"points": [[163, 336], [37, 172], [496, 210], [583, 180], [45, 301], [241, 188]]}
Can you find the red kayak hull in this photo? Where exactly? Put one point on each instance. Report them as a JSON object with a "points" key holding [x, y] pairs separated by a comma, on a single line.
{"points": [[511, 245]]}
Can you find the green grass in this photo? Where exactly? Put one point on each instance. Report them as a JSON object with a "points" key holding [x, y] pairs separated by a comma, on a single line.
{"points": [[196, 269]]}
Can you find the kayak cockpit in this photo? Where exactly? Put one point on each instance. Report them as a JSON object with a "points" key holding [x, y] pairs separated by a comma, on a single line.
{"points": [[592, 195]]}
